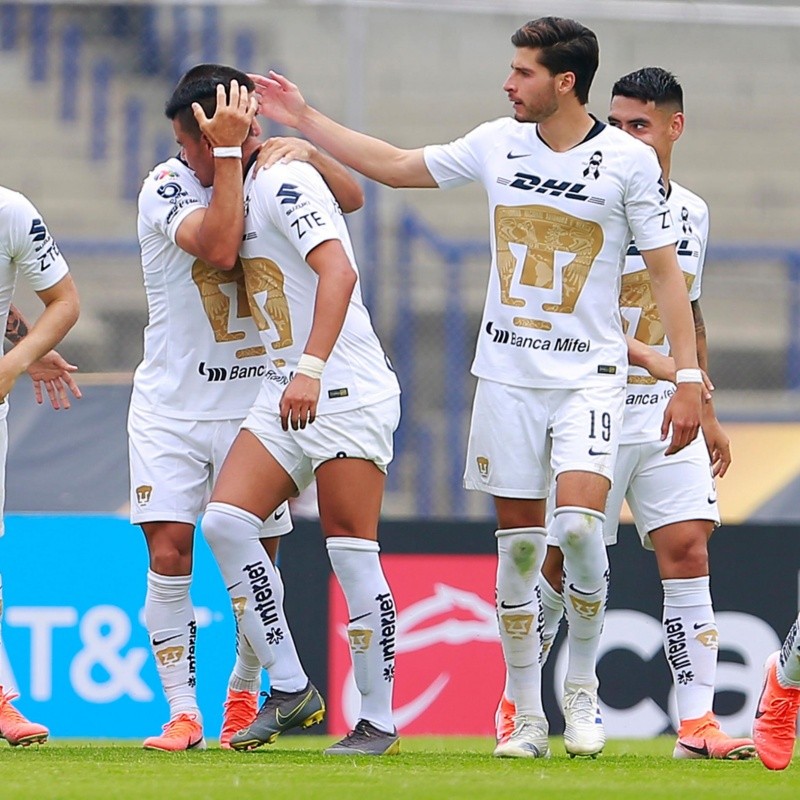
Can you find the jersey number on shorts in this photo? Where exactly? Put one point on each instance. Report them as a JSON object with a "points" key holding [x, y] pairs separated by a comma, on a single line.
{"points": [[217, 304], [544, 231], [600, 425], [264, 280]]}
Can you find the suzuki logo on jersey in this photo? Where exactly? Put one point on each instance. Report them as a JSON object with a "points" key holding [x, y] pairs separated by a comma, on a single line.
{"points": [[38, 231], [551, 186], [288, 194]]}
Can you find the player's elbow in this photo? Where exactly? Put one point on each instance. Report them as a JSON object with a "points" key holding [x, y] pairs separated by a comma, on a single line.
{"points": [[223, 259], [353, 200]]}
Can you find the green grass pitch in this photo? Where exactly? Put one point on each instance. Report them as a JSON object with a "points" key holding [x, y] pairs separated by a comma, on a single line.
{"points": [[442, 768]]}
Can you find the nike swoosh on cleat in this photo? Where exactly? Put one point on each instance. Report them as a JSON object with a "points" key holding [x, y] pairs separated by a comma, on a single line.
{"points": [[360, 616], [503, 604], [232, 586], [289, 718], [701, 751], [516, 155], [157, 642]]}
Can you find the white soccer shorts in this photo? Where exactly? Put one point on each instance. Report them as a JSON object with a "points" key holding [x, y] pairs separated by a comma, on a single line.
{"points": [[173, 464], [366, 432], [521, 439], [661, 490]]}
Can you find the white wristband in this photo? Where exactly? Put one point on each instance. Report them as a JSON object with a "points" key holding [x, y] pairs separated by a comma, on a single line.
{"points": [[310, 366], [688, 376], [227, 152]]}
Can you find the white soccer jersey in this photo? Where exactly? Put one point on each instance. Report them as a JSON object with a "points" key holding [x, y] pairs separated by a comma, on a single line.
{"points": [[202, 356], [647, 398], [290, 211], [560, 224], [26, 246]]}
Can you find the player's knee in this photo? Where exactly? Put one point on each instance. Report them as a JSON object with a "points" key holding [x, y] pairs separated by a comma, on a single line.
{"points": [[166, 559], [575, 529], [522, 549], [687, 558]]}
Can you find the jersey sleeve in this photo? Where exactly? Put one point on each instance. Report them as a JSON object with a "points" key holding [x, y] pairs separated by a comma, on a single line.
{"points": [[299, 203], [646, 206], [167, 198], [461, 161], [33, 250], [702, 231]]}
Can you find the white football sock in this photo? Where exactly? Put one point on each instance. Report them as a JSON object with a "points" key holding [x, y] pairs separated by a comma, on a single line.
{"points": [[579, 532], [789, 661], [553, 611], [520, 554], [171, 626], [691, 643], [255, 590], [246, 673], [372, 628]]}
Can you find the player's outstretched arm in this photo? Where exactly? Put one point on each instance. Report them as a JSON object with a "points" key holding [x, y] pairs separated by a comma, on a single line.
{"points": [[61, 309], [214, 234], [51, 371], [345, 188], [684, 411], [337, 279], [281, 100]]}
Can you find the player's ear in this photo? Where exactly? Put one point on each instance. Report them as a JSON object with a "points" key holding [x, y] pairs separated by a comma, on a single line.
{"points": [[676, 125], [565, 82]]}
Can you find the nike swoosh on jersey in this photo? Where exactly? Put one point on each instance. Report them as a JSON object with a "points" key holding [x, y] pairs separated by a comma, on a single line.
{"points": [[158, 642], [516, 155], [503, 604]]}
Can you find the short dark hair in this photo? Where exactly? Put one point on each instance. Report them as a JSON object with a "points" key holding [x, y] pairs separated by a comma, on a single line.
{"points": [[566, 46], [650, 84], [199, 85]]}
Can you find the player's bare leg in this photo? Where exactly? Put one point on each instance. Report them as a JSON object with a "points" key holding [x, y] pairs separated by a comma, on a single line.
{"points": [[691, 640], [578, 527], [349, 521], [522, 726], [14, 727], [172, 629], [251, 485]]}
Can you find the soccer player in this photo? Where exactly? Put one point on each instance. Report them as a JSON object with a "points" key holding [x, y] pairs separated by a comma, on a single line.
{"points": [[673, 498], [564, 191], [775, 723], [326, 412], [27, 248], [200, 373]]}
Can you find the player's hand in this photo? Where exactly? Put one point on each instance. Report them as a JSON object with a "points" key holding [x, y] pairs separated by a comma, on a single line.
{"points": [[719, 447], [284, 149], [55, 374], [230, 125], [682, 415], [298, 406], [279, 99]]}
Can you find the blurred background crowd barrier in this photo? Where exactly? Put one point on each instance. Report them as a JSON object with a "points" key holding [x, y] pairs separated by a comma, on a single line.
{"points": [[83, 88]]}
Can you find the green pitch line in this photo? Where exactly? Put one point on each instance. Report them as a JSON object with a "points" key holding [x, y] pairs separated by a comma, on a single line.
{"points": [[452, 768]]}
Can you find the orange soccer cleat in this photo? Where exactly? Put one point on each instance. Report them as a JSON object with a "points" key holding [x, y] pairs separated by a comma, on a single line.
{"points": [[702, 738], [775, 723], [504, 719], [182, 733], [240, 709], [14, 728]]}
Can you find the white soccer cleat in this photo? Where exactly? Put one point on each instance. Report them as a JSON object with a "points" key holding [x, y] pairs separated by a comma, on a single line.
{"points": [[584, 734], [527, 740]]}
